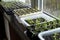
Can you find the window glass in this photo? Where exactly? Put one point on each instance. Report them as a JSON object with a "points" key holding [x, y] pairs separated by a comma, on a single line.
{"points": [[28, 2], [52, 6]]}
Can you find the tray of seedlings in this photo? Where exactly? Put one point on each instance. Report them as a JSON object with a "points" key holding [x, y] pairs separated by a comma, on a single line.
{"points": [[53, 34], [12, 5], [25, 12], [39, 23], [21, 5], [8, 5]]}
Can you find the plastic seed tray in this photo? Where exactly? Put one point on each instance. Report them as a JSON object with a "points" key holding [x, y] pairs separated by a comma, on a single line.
{"points": [[8, 7], [25, 11], [39, 23], [53, 34], [13, 5]]}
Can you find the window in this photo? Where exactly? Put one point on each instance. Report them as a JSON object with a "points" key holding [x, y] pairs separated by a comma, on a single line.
{"points": [[52, 6], [40, 4]]}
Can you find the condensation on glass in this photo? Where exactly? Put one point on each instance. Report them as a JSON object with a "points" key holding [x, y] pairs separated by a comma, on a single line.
{"points": [[52, 6]]}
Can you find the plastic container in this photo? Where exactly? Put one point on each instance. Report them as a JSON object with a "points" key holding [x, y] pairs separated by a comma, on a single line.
{"points": [[8, 7], [25, 12], [47, 33], [34, 16]]}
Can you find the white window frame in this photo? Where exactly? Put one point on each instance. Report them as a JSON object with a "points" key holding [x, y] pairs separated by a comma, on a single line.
{"points": [[40, 5]]}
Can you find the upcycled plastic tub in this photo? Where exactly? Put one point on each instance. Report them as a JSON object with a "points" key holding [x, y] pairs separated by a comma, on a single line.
{"points": [[34, 16], [49, 32]]}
